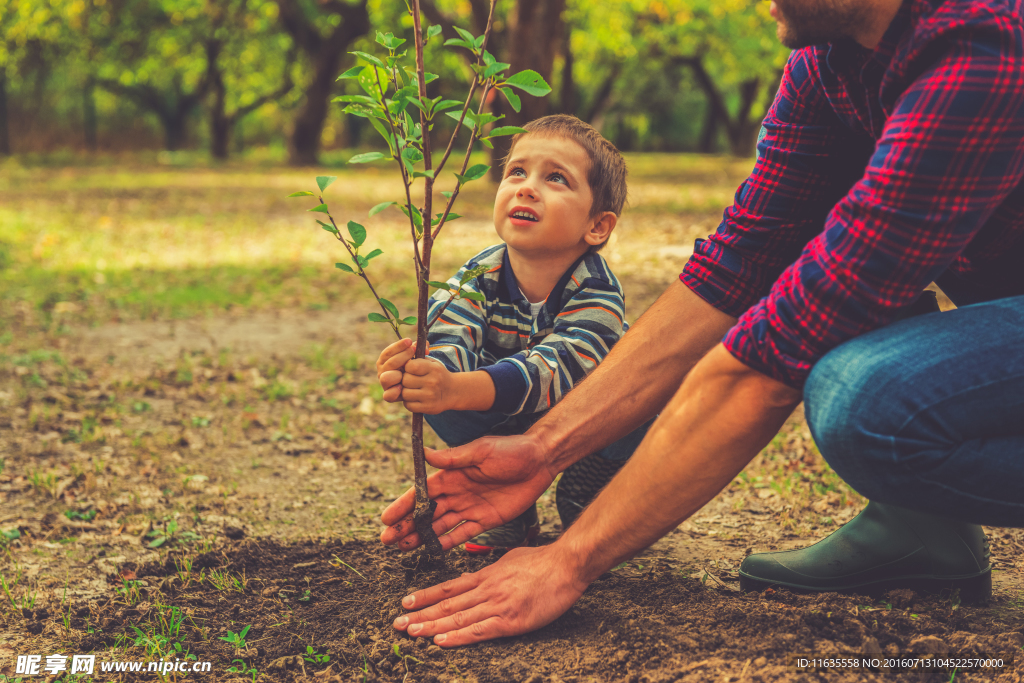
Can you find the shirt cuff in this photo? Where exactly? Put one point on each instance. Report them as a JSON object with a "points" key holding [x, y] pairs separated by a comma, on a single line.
{"points": [[753, 342], [510, 387]]}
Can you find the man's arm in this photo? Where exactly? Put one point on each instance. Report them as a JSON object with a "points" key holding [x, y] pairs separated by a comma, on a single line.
{"points": [[490, 481], [715, 424]]}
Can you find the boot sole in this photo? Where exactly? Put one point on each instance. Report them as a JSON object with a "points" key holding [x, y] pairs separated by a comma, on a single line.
{"points": [[475, 549], [973, 589]]}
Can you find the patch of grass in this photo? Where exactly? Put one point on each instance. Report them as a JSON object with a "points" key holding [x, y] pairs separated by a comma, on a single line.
{"points": [[237, 639], [171, 533]]}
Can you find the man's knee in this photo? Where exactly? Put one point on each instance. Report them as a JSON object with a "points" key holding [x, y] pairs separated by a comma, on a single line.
{"points": [[847, 412]]}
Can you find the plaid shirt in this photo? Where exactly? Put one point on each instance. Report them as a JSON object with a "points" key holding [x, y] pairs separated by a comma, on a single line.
{"points": [[533, 363], [911, 157]]}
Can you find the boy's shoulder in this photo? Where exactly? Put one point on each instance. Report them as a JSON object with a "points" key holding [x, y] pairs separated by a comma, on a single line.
{"points": [[493, 256], [593, 267]]}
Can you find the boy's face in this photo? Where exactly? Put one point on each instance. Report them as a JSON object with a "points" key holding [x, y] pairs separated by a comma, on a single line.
{"points": [[542, 208]]}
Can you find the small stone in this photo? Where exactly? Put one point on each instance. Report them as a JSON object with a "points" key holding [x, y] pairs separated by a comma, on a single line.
{"points": [[928, 645], [760, 663], [871, 646]]}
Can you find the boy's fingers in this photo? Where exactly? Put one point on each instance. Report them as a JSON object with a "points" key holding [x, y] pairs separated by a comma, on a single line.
{"points": [[398, 360], [391, 350], [422, 366], [390, 378]]}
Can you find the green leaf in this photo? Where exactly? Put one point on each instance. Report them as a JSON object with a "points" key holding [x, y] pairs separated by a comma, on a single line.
{"points": [[466, 35], [342, 266], [455, 42], [329, 228], [304, 193], [374, 82], [423, 174], [475, 296], [530, 82], [437, 284], [472, 273], [412, 155], [411, 320], [475, 173], [364, 111], [365, 56], [357, 232], [479, 42], [513, 99], [158, 542], [445, 105], [366, 158], [321, 209], [505, 130], [377, 318], [392, 309], [434, 30], [324, 181], [429, 77], [493, 69], [363, 99], [380, 207], [447, 195], [469, 121], [351, 73], [372, 255]]}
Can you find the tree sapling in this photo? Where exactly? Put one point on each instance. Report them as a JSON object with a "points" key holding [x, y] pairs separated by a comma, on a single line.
{"points": [[395, 95]]}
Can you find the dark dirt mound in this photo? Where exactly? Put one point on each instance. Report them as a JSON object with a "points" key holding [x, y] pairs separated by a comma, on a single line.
{"points": [[643, 622]]}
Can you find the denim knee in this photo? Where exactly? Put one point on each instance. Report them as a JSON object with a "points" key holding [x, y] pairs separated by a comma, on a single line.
{"points": [[847, 416]]}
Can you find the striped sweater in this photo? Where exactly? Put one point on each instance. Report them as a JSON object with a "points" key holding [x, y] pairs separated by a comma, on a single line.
{"points": [[533, 363]]}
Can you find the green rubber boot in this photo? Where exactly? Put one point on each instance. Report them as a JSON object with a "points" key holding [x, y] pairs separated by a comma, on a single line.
{"points": [[882, 548]]}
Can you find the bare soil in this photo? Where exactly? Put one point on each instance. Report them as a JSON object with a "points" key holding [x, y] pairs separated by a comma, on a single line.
{"points": [[256, 447]]}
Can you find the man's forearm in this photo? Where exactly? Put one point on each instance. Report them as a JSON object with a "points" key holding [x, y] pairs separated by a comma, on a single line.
{"points": [[635, 380], [718, 420]]}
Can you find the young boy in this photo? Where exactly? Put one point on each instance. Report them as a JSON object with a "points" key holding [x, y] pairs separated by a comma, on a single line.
{"points": [[552, 310]]}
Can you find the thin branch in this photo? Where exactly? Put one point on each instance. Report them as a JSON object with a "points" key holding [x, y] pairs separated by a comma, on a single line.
{"points": [[472, 89], [362, 273], [465, 164]]}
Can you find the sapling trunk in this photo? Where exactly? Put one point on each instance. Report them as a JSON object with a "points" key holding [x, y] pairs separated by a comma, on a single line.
{"points": [[410, 144]]}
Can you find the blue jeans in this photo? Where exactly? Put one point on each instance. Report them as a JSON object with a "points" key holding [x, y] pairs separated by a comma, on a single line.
{"points": [[928, 413], [458, 427]]}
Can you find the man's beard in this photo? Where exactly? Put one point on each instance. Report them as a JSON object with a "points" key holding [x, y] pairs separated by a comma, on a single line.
{"points": [[814, 22]]}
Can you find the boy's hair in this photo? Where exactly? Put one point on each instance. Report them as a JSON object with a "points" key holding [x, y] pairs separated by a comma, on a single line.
{"points": [[607, 173]]}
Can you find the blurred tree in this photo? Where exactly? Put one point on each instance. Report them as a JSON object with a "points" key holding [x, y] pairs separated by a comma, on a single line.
{"points": [[249, 64], [527, 35], [324, 31], [727, 47], [152, 53], [32, 38]]}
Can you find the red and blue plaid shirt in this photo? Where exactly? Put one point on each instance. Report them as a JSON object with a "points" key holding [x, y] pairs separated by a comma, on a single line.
{"points": [[878, 173]]}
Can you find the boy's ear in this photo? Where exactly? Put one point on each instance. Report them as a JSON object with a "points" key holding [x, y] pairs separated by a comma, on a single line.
{"points": [[602, 228]]}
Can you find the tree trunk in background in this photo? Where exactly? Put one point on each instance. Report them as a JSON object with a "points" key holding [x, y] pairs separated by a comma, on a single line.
{"points": [[536, 30], [709, 131], [175, 127], [5, 138], [326, 55], [220, 124], [568, 100], [741, 129], [89, 114]]}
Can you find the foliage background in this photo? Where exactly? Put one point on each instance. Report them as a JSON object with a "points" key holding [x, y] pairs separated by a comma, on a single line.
{"points": [[119, 75]]}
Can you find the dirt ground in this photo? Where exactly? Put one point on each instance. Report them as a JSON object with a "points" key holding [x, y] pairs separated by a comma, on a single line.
{"points": [[168, 484], [194, 454]]}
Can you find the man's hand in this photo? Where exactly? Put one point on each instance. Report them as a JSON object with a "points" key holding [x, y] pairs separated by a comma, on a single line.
{"points": [[480, 486], [720, 418], [526, 589], [389, 368], [428, 387]]}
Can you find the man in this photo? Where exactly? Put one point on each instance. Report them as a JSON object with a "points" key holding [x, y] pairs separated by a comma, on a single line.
{"points": [[892, 157]]}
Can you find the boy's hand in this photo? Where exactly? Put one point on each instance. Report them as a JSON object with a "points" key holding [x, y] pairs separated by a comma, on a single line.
{"points": [[389, 368], [428, 387]]}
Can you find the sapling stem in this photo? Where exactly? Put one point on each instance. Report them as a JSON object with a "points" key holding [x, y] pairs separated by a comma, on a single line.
{"points": [[389, 95]]}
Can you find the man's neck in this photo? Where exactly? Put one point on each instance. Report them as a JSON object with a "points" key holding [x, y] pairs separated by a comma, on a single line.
{"points": [[877, 20], [537, 276]]}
